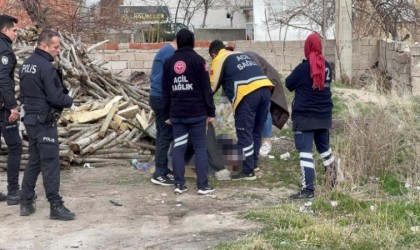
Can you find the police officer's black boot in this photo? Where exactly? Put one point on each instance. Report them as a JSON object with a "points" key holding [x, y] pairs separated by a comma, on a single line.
{"points": [[3, 197], [13, 197], [59, 212], [27, 207]]}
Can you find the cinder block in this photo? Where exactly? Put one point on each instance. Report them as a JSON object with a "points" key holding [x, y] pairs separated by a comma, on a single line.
{"points": [[118, 65], [415, 71], [147, 64], [329, 50], [355, 64], [328, 43], [402, 58], [259, 44], [112, 57], [390, 46], [362, 42], [415, 50], [415, 83], [144, 56], [415, 60], [356, 48], [292, 44], [135, 64], [374, 42], [127, 56], [277, 44], [243, 43], [107, 51]]}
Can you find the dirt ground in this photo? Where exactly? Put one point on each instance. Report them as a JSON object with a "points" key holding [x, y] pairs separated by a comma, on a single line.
{"points": [[150, 216]]}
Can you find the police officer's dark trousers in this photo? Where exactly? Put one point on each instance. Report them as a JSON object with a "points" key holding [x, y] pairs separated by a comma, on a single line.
{"points": [[10, 132], [44, 158], [250, 116]]}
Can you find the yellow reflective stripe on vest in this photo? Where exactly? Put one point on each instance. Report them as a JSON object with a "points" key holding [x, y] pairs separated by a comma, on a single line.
{"points": [[242, 90], [217, 66]]}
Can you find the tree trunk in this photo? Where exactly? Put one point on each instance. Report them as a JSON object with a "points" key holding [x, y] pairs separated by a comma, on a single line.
{"points": [[176, 13], [389, 24], [36, 12], [204, 17]]}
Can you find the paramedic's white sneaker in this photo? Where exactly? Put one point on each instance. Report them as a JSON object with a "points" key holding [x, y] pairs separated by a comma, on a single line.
{"points": [[265, 149]]}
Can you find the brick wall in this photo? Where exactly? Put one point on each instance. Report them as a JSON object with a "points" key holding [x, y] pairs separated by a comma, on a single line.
{"points": [[125, 58]]}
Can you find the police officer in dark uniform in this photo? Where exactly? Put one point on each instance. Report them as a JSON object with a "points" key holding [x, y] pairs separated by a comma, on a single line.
{"points": [[44, 97], [9, 113]]}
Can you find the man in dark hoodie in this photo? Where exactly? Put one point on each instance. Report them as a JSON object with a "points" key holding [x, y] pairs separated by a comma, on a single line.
{"points": [[188, 105], [9, 113]]}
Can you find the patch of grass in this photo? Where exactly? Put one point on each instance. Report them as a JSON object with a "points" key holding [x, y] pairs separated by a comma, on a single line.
{"points": [[281, 217], [346, 204], [352, 224], [391, 185], [340, 85], [288, 132], [339, 106]]}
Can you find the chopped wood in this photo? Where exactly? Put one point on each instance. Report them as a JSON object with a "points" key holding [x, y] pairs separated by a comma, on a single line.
{"points": [[107, 120], [83, 117], [80, 144], [108, 107], [92, 148], [118, 120], [94, 46], [143, 121], [129, 113]]}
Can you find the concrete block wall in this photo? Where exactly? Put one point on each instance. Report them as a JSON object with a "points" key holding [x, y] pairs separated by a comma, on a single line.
{"points": [[399, 61], [415, 69], [403, 66], [124, 58]]}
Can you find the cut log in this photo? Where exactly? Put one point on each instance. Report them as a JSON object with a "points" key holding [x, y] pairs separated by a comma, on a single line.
{"points": [[107, 120], [123, 105], [80, 144], [142, 121], [79, 134], [130, 112], [118, 120], [93, 147], [118, 140], [94, 46], [117, 150], [83, 117]]}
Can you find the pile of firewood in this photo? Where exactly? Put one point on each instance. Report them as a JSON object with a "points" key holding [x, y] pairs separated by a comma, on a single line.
{"points": [[112, 117]]}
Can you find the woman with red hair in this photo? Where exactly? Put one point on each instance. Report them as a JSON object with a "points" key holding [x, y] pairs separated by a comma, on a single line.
{"points": [[312, 114]]}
